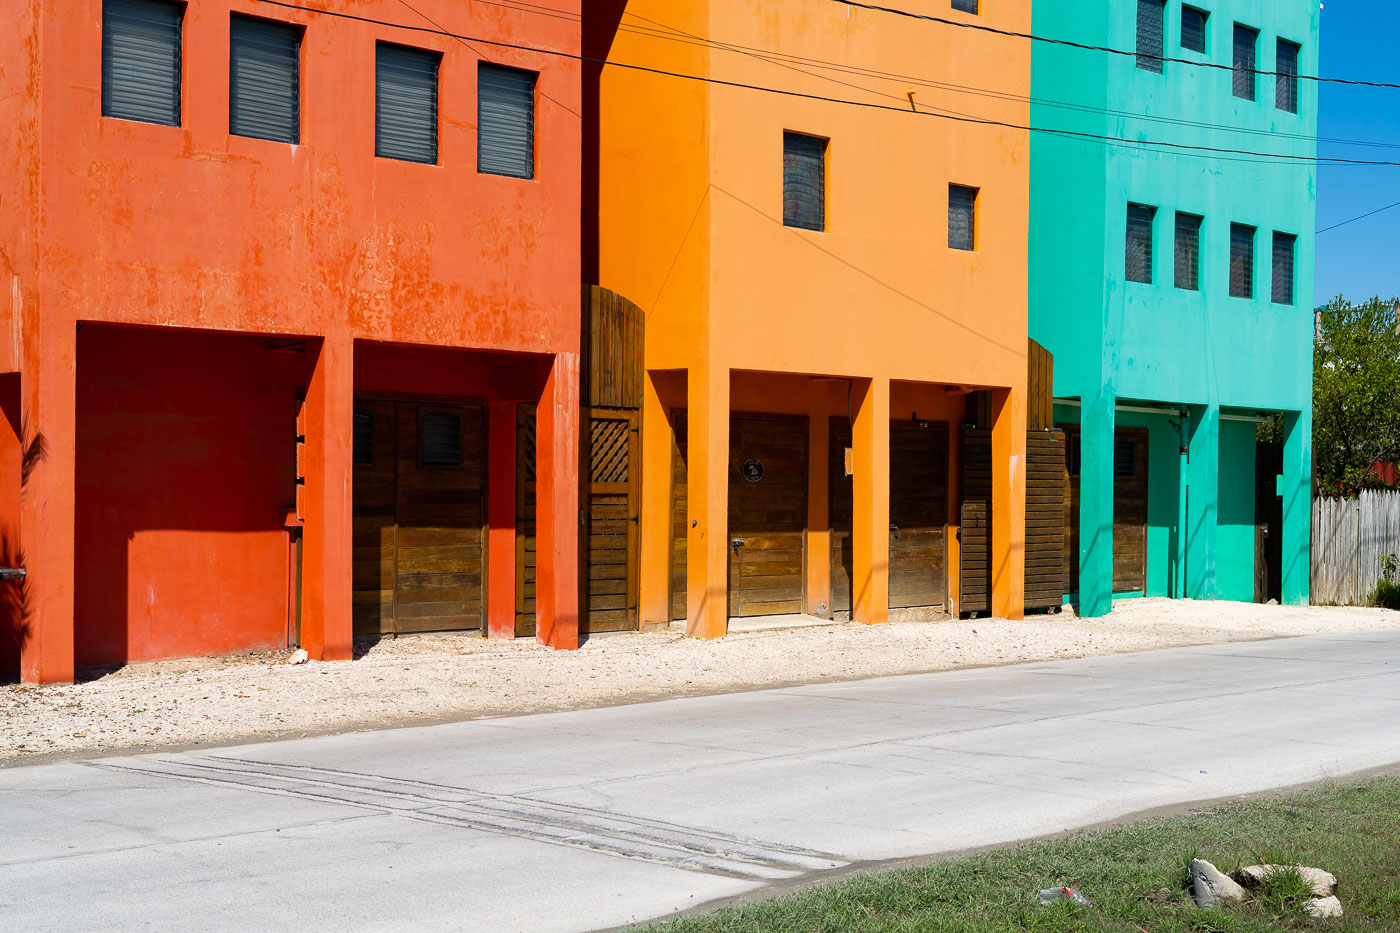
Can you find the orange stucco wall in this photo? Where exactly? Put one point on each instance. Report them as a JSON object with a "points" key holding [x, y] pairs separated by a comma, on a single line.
{"points": [[878, 298], [107, 220]]}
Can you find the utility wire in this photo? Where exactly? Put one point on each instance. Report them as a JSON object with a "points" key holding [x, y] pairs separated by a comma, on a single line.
{"points": [[979, 27], [1361, 217], [1184, 148]]}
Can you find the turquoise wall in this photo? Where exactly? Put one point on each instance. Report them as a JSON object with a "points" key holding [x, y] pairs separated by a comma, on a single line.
{"points": [[1118, 342]]}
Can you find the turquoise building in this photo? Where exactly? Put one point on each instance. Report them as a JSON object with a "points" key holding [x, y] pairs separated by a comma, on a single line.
{"points": [[1172, 218]]}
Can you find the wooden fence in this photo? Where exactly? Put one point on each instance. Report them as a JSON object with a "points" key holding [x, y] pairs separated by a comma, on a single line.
{"points": [[1348, 538]]}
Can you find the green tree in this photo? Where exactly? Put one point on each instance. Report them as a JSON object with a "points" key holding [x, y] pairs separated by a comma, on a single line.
{"points": [[1356, 391]]}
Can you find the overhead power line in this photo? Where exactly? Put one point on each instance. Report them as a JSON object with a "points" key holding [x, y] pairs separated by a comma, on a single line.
{"points": [[1219, 152], [982, 27], [1360, 217]]}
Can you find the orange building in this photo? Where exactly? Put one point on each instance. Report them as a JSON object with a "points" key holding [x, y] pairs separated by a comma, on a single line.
{"points": [[283, 289], [835, 302]]}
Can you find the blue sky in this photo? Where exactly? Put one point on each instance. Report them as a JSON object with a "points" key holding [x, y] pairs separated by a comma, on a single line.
{"points": [[1361, 259]]}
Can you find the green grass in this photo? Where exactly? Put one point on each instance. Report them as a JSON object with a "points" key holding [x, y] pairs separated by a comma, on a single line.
{"points": [[1136, 876]]}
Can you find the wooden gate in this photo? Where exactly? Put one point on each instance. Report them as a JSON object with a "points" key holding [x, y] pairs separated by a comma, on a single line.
{"points": [[1046, 491], [975, 534], [767, 514]]}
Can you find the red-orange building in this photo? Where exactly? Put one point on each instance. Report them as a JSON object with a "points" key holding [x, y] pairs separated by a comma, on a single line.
{"points": [[260, 263]]}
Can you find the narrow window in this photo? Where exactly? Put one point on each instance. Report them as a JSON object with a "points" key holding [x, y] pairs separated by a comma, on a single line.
{"points": [[1286, 88], [1241, 261], [1245, 41], [1138, 258], [804, 181], [264, 93], [141, 60], [1151, 29], [1124, 457], [1284, 246], [405, 103], [505, 121], [962, 217], [1193, 29], [965, 6], [1188, 252], [441, 438], [362, 438]]}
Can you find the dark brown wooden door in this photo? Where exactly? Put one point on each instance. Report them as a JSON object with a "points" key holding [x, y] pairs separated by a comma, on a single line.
{"points": [[840, 506], [1046, 493], [767, 514], [611, 513], [679, 514], [525, 489], [975, 533], [375, 530], [918, 514], [1130, 452]]}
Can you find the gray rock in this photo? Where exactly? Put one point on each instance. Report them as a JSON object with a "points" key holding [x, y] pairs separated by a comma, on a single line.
{"points": [[1323, 883], [1324, 907], [1209, 885]]}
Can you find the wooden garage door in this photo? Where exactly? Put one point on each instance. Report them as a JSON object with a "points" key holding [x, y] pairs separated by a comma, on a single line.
{"points": [[419, 518], [767, 514], [918, 514], [1130, 453]]}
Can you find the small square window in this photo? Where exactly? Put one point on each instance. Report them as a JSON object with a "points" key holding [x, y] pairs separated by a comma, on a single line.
{"points": [[1137, 265], [141, 55], [804, 181], [962, 217], [406, 103], [264, 93], [965, 6], [441, 439], [1193, 29], [1241, 261], [505, 121]]}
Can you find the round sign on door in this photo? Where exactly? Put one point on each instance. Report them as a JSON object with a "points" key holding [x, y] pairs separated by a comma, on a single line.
{"points": [[752, 469]]}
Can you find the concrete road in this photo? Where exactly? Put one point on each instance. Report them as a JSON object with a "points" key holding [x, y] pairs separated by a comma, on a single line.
{"points": [[598, 818]]}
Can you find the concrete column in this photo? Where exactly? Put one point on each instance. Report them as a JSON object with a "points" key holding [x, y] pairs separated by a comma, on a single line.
{"points": [[48, 389], [1096, 505], [1297, 508], [654, 603], [327, 418], [707, 472], [818, 505], [870, 487], [1008, 413], [557, 516], [1202, 500], [500, 519]]}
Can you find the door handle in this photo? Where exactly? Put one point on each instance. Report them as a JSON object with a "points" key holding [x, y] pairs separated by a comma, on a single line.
{"points": [[736, 543]]}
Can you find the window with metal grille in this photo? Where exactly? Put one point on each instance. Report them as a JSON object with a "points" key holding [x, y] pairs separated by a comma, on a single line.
{"points": [[804, 181], [1193, 29], [1188, 251], [141, 60], [1138, 257], [264, 75], [363, 437], [405, 103], [1246, 40], [1124, 457], [441, 438], [1286, 88], [962, 217], [965, 6], [505, 121], [1151, 29], [1241, 261], [1284, 246]]}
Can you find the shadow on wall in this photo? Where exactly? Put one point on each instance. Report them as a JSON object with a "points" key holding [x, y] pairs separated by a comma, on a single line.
{"points": [[22, 450]]}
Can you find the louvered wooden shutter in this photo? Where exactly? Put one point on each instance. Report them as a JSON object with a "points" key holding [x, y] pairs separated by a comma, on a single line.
{"points": [[1245, 40], [1151, 15], [405, 103], [1241, 261], [965, 6], [141, 60], [1138, 255], [505, 121], [264, 94], [1286, 89], [362, 437], [1284, 246], [441, 438], [1193, 29], [1188, 252], [962, 217], [804, 181]]}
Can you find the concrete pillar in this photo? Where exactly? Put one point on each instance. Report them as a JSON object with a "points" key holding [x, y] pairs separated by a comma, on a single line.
{"points": [[1096, 505], [654, 551], [870, 487], [557, 516], [818, 505], [707, 472], [1297, 508], [327, 418], [1202, 500], [500, 519], [1008, 414]]}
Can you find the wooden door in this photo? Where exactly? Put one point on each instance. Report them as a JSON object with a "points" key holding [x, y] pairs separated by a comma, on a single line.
{"points": [[611, 519], [767, 514], [1046, 495], [918, 514], [525, 489], [679, 514], [1130, 453], [375, 530], [975, 533]]}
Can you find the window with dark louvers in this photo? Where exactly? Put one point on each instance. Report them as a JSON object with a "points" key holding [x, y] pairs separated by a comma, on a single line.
{"points": [[965, 6], [1151, 28], [362, 446], [1241, 261], [405, 103], [505, 121], [141, 60], [1284, 246], [804, 181], [264, 74], [441, 442], [1193, 29], [1243, 79], [1286, 88], [1188, 252], [1138, 257], [962, 217]]}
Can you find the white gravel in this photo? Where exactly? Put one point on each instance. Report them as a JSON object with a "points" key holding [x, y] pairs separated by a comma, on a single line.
{"points": [[426, 678]]}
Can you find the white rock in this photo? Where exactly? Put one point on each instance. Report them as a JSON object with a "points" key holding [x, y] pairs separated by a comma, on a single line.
{"points": [[1323, 883], [299, 657], [1324, 907], [1209, 885]]}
